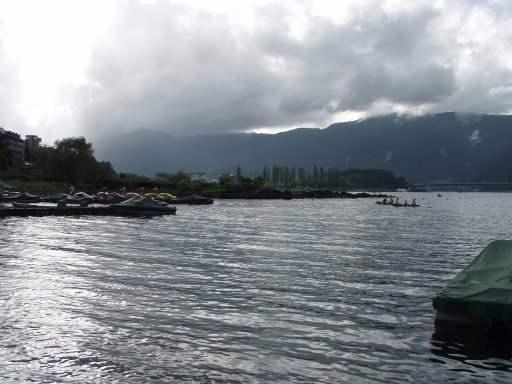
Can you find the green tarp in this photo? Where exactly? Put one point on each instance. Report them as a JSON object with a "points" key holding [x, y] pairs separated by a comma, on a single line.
{"points": [[484, 288], [4, 186], [22, 196]]}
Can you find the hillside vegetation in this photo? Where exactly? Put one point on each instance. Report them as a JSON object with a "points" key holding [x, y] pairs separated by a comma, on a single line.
{"points": [[71, 162], [446, 146]]}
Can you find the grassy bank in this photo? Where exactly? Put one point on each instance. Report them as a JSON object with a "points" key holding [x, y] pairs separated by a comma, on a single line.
{"points": [[41, 188]]}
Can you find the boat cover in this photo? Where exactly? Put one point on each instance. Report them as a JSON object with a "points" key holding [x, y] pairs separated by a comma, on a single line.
{"points": [[484, 288], [22, 196], [192, 198], [56, 197], [142, 202]]}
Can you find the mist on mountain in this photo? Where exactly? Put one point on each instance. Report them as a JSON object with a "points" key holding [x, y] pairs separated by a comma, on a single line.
{"points": [[445, 146]]}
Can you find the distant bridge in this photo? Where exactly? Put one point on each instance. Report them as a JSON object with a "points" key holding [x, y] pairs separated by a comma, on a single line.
{"points": [[463, 187]]}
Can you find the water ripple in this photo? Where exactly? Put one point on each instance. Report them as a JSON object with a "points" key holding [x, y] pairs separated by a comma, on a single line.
{"points": [[245, 292]]}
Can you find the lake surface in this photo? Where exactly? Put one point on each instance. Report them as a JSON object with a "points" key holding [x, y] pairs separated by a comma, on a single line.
{"points": [[243, 291]]}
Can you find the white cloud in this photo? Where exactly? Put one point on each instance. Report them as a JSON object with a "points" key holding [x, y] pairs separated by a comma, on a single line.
{"points": [[201, 66], [11, 117]]}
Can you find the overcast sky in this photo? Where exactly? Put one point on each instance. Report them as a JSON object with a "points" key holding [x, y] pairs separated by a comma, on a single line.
{"points": [[101, 67]]}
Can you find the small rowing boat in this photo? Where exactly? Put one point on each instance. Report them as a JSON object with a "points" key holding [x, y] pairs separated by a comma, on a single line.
{"points": [[397, 204]]}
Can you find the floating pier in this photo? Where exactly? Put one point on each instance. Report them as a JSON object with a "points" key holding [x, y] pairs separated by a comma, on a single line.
{"points": [[56, 211]]}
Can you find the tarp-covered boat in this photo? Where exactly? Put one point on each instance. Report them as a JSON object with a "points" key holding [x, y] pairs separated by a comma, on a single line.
{"points": [[193, 199], [143, 206], [5, 187], [54, 198], [75, 198], [480, 295], [20, 197]]}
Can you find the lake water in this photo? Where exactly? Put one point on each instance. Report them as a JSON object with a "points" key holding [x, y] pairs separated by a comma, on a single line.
{"points": [[247, 291]]}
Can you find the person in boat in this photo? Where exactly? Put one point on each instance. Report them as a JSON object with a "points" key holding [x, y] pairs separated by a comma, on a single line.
{"points": [[141, 191], [385, 201], [405, 203], [413, 201], [123, 191]]}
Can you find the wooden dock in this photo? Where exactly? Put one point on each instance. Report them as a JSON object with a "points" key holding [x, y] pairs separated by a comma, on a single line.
{"points": [[56, 211]]}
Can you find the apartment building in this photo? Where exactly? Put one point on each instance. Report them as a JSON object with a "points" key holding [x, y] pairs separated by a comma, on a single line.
{"points": [[16, 145]]}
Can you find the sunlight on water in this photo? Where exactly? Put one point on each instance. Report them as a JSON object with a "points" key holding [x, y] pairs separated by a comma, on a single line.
{"points": [[246, 291]]}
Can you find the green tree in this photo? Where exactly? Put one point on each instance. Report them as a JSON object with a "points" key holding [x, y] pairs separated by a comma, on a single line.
{"points": [[105, 171], [184, 185], [257, 182], [238, 173], [275, 175], [73, 160], [265, 175], [373, 178], [226, 181], [41, 163], [285, 176], [302, 176]]}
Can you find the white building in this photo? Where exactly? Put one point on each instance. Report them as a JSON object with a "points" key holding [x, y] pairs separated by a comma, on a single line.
{"points": [[198, 176]]}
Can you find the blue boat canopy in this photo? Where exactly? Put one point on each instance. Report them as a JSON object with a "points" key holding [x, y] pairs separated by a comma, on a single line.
{"points": [[484, 288]]}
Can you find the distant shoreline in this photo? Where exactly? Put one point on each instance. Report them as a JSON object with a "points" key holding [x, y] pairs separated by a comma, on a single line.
{"points": [[271, 194]]}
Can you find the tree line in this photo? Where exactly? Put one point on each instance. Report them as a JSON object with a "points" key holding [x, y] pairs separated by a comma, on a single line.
{"points": [[282, 176], [69, 160], [72, 160]]}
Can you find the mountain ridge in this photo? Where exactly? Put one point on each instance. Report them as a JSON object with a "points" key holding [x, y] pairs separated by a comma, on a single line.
{"points": [[461, 147]]}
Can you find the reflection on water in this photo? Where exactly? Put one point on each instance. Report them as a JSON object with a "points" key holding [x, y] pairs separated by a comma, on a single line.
{"points": [[475, 348], [246, 291], [473, 354]]}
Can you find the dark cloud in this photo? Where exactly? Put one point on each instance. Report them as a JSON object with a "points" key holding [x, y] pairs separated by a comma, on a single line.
{"points": [[168, 66]]}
